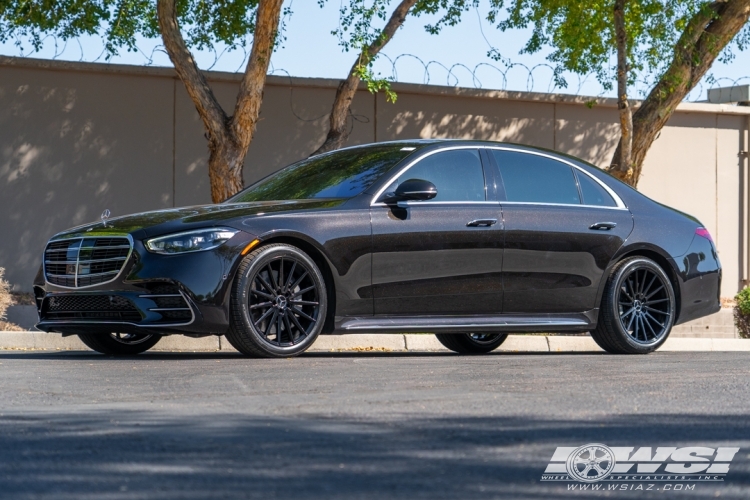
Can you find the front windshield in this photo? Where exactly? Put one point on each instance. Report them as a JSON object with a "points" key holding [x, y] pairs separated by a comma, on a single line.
{"points": [[338, 174]]}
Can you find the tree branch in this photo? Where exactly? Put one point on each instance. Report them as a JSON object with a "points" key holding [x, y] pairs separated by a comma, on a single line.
{"points": [[705, 36], [250, 96], [213, 116], [337, 132], [622, 162]]}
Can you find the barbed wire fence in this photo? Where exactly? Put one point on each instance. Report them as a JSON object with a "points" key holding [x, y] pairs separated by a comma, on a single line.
{"points": [[483, 75]]}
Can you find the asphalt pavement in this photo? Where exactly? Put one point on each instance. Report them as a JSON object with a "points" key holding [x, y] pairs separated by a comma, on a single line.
{"points": [[76, 425]]}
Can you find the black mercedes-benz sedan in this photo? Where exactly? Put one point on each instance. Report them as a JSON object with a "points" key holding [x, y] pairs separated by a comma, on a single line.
{"points": [[468, 240]]}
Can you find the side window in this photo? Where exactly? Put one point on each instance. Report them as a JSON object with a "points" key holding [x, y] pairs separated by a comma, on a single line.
{"points": [[457, 175], [536, 179], [593, 193]]}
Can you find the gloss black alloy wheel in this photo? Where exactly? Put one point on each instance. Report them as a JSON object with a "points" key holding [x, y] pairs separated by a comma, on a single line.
{"points": [[279, 302], [638, 308], [471, 343], [119, 344]]}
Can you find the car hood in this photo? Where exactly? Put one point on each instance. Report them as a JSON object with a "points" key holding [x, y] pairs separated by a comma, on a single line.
{"points": [[160, 222]]}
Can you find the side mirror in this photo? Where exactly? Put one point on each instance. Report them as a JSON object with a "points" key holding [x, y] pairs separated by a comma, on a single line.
{"points": [[412, 190]]}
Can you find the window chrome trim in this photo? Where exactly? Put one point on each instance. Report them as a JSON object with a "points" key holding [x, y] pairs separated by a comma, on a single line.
{"points": [[124, 265], [615, 197], [541, 204], [380, 192]]}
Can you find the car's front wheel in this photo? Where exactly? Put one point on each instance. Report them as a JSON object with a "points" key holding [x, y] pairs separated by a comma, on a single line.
{"points": [[279, 303], [638, 308], [119, 344], [471, 343]]}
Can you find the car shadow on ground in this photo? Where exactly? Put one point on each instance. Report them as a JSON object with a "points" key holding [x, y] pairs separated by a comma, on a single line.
{"points": [[178, 355], [120, 454]]}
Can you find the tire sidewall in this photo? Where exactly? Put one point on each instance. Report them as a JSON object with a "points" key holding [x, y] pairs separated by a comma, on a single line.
{"points": [[485, 347], [241, 294], [620, 275]]}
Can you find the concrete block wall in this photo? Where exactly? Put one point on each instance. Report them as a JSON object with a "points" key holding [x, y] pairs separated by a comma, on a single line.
{"points": [[76, 138]]}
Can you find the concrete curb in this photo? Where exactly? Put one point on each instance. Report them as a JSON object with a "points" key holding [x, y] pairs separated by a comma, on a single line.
{"points": [[365, 343]]}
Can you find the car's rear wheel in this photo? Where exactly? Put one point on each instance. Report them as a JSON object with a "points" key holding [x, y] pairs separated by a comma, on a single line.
{"points": [[119, 344], [278, 303], [471, 343], [638, 308]]}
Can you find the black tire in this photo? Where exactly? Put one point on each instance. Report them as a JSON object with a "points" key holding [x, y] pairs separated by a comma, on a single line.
{"points": [[637, 310], [471, 343], [278, 303], [117, 344]]}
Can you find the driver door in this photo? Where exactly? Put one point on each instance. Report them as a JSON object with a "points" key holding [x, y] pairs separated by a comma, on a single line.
{"points": [[443, 256]]}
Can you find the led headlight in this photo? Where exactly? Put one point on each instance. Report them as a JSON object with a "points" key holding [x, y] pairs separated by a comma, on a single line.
{"points": [[191, 241]]}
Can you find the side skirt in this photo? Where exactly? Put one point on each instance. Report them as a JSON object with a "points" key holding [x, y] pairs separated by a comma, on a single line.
{"points": [[511, 323]]}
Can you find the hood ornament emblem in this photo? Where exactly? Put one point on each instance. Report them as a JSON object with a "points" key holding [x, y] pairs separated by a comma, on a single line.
{"points": [[105, 216]]}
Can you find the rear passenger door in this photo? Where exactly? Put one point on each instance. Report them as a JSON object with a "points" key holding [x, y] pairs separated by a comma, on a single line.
{"points": [[562, 227]]}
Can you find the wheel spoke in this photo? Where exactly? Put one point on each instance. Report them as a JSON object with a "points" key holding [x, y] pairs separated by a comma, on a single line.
{"points": [[661, 287], [271, 323], [651, 302], [298, 281], [647, 308], [637, 328], [624, 289], [301, 292], [262, 294], [281, 275], [648, 287], [264, 316], [304, 315], [265, 284], [629, 311], [636, 289], [288, 327], [303, 303], [278, 329], [646, 328], [289, 277], [630, 323], [262, 304], [655, 320], [273, 278], [294, 319]]}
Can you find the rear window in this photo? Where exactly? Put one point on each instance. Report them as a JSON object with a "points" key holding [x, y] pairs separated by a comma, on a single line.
{"points": [[593, 193], [532, 178]]}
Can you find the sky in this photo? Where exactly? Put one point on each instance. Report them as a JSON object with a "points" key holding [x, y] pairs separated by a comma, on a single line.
{"points": [[456, 57]]}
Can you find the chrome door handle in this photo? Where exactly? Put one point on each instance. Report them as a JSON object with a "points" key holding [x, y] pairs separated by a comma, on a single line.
{"points": [[481, 223], [605, 226]]}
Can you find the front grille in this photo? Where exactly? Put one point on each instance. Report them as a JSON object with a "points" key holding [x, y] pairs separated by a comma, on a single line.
{"points": [[89, 307], [170, 303], [80, 262]]}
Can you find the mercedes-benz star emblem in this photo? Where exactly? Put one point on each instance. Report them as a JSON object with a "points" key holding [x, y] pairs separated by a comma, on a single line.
{"points": [[105, 216]]}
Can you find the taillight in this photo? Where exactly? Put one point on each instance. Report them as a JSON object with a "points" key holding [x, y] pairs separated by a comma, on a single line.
{"points": [[703, 233]]}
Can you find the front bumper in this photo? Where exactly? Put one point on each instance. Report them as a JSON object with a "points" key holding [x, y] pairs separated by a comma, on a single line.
{"points": [[163, 294]]}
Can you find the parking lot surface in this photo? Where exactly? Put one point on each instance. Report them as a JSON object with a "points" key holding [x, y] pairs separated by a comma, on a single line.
{"points": [[75, 425]]}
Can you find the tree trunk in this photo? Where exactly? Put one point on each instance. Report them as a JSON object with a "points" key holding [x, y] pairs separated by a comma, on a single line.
{"points": [[338, 133], [228, 137], [622, 162], [225, 163], [706, 35]]}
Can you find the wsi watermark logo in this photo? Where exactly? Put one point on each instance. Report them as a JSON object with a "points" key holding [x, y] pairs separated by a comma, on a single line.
{"points": [[592, 463]]}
